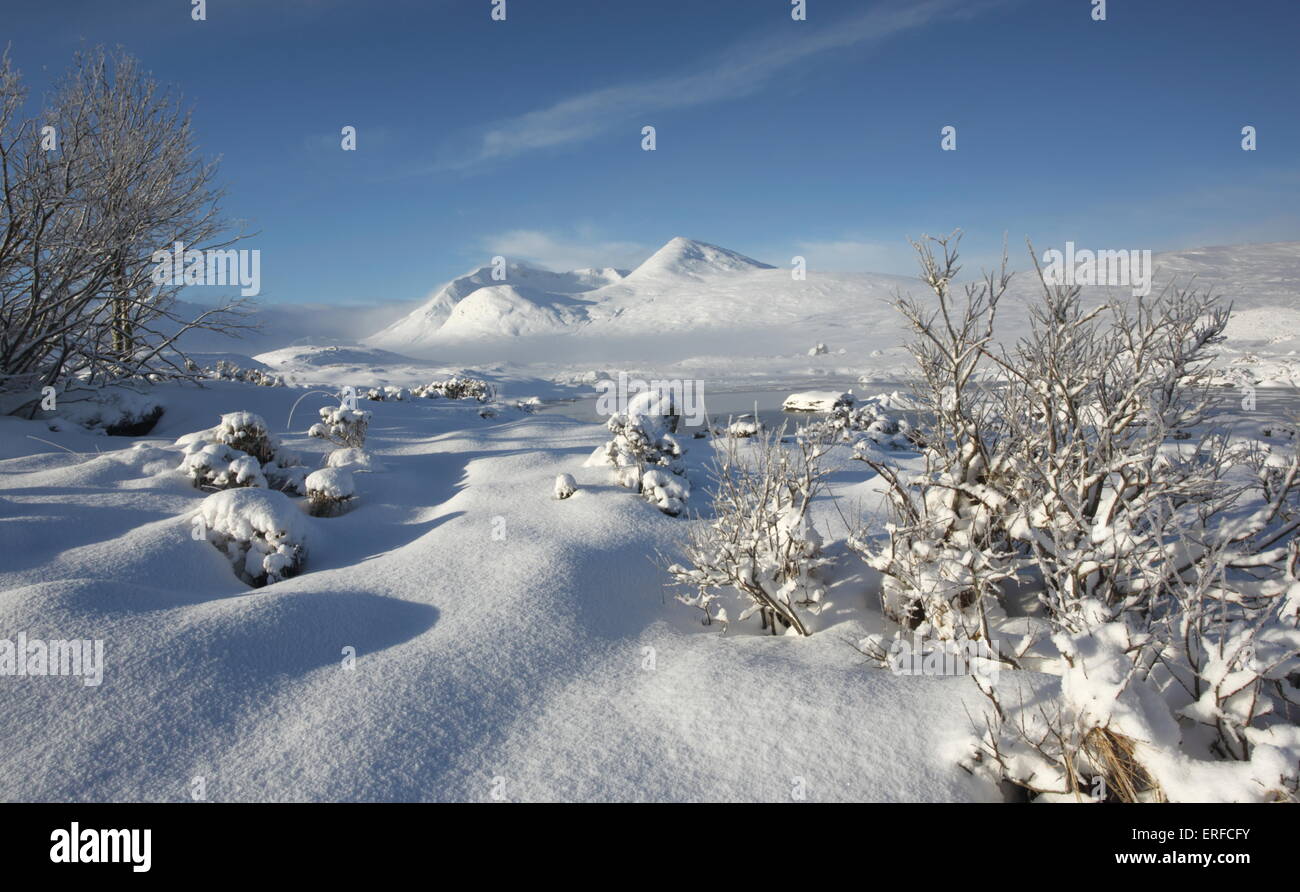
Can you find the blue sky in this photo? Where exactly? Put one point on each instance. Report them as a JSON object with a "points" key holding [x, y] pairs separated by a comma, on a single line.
{"points": [[775, 137]]}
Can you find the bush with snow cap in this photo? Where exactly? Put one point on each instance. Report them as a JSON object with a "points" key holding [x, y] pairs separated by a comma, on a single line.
{"points": [[456, 388], [866, 425], [666, 491], [262, 532], [330, 491], [565, 486], [342, 426], [248, 433], [218, 466], [239, 452]]}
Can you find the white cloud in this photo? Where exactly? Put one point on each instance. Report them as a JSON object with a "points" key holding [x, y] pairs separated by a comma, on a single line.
{"points": [[583, 249], [739, 71]]}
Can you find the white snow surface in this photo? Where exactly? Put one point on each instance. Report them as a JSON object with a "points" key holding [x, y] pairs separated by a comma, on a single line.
{"points": [[520, 657]]}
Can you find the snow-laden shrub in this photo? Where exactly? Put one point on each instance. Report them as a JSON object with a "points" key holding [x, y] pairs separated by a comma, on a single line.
{"points": [[643, 436], [218, 466], [760, 544], [868, 424], [352, 459], [286, 472], [240, 452], [248, 433], [1116, 731], [565, 486], [228, 371], [342, 426], [666, 491], [330, 491], [456, 388], [1162, 546], [261, 531]]}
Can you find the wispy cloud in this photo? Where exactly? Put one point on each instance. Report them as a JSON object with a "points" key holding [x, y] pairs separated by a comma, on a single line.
{"points": [[584, 248], [739, 71]]}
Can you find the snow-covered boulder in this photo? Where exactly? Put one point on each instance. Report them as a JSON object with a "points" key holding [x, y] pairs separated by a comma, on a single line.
{"points": [[565, 486], [744, 426], [816, 401], [261, 531], [330, 491]]}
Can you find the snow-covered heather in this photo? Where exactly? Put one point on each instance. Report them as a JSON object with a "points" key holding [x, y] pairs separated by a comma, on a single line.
{"points": [[499, 632]]}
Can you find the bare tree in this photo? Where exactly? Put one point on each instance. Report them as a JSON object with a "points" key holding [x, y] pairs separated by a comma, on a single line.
{"points": [[107, 176]]}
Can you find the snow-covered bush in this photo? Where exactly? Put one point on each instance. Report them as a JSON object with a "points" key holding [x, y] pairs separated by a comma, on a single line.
{"points": [[1162, 546], [261, 531], [760, 544], [330, 491], [565, 486], [456, 388], [744, 426], [239, 452], [247, 433], [643, 437], [666, 491], [342, 426], [228, 371], [218, 466], [286, 472], [386, 392], [866, 425], [945, 552]]}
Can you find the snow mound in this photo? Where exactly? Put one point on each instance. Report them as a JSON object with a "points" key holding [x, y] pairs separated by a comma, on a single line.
{"points": [[353, 459]]}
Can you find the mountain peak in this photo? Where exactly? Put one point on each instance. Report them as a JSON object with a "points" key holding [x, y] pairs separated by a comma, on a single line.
{"points": [[689, 258]]}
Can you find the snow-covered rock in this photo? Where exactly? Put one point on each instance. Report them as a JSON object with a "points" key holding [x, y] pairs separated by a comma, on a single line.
{"points": [[816, 400], [565, 486]]}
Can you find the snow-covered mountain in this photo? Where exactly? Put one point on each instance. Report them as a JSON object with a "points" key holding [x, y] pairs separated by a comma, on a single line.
{"points": [[530, 300], [690, 287], [535, 301]]}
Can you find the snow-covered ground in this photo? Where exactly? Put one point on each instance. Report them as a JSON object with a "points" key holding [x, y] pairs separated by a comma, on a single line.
{"points": [[507, 643], [499, 633]]}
